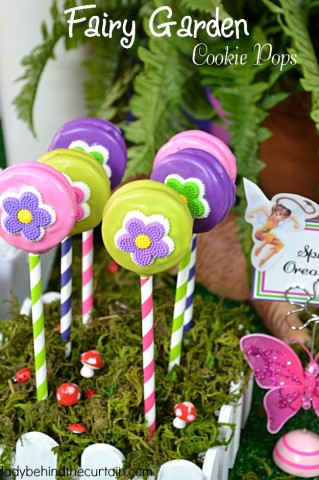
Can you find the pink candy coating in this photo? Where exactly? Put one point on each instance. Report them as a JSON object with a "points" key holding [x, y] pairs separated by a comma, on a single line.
{"points": [[297, 453], [56, 196], [203, 141]]}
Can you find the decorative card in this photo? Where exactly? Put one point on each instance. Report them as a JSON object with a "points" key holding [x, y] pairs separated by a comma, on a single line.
{"points": [[285, 254]]}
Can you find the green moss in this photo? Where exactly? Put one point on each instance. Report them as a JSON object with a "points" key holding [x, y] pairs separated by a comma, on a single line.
{"points": [[210, 360]]}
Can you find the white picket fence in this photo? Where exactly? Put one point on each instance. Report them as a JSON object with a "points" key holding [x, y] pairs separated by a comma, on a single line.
{"points": [[34, 458]]}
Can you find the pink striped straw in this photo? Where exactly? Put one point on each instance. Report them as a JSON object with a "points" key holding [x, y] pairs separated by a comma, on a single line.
{"points": [[87, 275], [148, 352]]}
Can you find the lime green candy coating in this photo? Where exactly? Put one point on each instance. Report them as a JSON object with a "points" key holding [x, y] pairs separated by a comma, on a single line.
{"points": [[133, 225], [82, 167]]}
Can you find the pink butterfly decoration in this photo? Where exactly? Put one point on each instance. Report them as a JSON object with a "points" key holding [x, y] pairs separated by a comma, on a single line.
{"points": [[278, 368]]}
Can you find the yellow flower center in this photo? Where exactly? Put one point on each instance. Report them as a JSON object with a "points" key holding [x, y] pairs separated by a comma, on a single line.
{"points": [[25, 216], [185, 199], [143, 242]]}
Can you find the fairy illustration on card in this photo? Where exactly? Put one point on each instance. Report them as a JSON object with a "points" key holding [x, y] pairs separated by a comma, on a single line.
{"points": [[273, 220]]}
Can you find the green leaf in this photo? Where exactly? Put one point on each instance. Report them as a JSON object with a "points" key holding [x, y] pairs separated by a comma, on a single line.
{"points": [[206, 6]]}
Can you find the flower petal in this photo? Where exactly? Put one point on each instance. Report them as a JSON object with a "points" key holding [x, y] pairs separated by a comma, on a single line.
{"points": [[32, 232], [11, 205], [174, 184], [143, 258], [126, 243], [12, 225], [42, 217], [191, 190], [159, 249], [79, 194], [155, 231], [29, 201], [196, 208], [135, 227]]}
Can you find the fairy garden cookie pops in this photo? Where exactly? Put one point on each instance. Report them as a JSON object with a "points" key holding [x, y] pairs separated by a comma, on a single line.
{"points": [[105, 143], [147, 229], [92, 190], [37, 210], [202, 181]]}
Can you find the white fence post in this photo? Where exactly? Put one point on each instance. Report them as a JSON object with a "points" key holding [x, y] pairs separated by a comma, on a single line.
{"points": [[211, 463], [238, 413], [180, 470], [34, 457], [248, 398], [100, 462], [226, 416]]}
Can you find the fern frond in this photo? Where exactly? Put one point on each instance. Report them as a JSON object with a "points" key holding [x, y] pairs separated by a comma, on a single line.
{"points": [[246, 100], [293, 16], [162, 99], [107, 109], [206, 6], [34, 64]]}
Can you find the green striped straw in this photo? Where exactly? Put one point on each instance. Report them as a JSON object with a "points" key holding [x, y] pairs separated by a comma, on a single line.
{"points": [[38, 327], [179, 310]]}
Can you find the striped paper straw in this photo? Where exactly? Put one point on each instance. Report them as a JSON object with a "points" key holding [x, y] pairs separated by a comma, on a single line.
{"points": [[188, 316], [38, 327], [179, 309], [87, 275], [148, 352], [66, 292]]}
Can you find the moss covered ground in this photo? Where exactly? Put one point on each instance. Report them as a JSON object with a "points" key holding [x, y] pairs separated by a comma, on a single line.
{"points": [[210, 360]]}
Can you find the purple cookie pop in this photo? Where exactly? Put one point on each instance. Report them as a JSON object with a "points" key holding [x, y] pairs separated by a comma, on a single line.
{"points": [[203, 183], [101, 139], [104, 141]]}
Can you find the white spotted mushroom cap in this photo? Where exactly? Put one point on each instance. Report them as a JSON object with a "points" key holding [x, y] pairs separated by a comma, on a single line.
{"points": [[92, 359], [185, 411]]}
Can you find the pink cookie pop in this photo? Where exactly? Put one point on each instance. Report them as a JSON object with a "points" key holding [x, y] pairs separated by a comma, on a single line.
{"points": [[105, 143], [203, 141], [37, 207], [37, 210]]}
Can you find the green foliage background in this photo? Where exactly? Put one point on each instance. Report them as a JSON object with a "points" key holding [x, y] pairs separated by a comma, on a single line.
{"points": [[157, 83]]}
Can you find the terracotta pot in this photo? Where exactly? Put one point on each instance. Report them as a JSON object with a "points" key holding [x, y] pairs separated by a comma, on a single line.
{"points": [[291, 153]]}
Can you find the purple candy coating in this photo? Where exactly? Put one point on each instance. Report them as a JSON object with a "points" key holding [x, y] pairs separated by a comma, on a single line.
{"points": [[194, 163], [94, 132], [228, 182]]}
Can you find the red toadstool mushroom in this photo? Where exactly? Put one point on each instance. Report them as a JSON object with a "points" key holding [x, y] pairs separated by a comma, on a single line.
{"points": [[185, 413], [77, 428], [113, 267], [91, 360], [68, 394]]}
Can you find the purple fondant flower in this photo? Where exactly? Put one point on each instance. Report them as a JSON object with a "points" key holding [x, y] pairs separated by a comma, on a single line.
{"points": [[145, 238], [25, 213]]}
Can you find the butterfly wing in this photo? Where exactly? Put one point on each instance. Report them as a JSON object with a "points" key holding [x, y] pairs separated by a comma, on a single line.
{"points": [[273, 362], [276, 367], [280, 404], [315, 398]]}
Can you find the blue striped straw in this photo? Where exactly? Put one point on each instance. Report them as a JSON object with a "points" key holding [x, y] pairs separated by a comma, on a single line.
{"points": [[188, 315], [66, 293]]}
